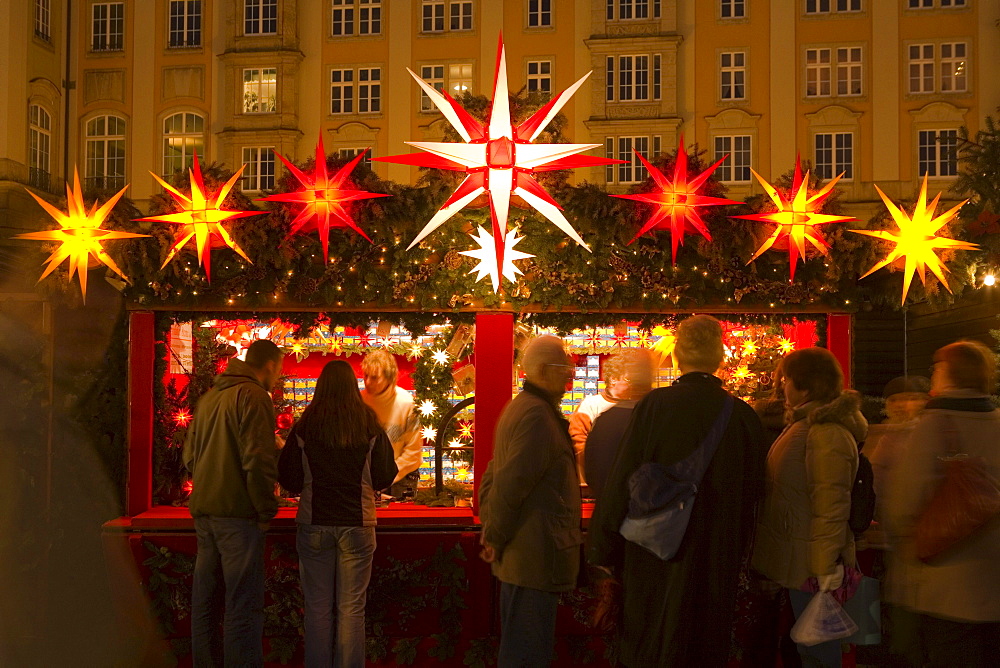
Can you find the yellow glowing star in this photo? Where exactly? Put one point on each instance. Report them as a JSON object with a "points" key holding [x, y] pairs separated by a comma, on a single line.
{"points": [[201, 217], [79, 234], [786, 346], [741, 373], [664, 347], [440, 357], [462, 474], [797, 218], [749, 348], [487, 257], [465, 430], [917, 240], [299, 350], [429, 433], [427, 408], [416, 350], [455, 443]]}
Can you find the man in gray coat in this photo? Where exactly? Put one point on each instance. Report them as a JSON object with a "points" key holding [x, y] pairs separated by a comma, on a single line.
{"points": [[530, 508]]}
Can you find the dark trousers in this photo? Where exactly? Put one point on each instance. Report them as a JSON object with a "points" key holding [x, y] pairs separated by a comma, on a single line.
{"points": [[965, 644], [228, 587], [527, 626]]}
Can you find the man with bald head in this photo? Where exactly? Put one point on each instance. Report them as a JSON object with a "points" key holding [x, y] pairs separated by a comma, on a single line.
{"points": [[529, 500]]}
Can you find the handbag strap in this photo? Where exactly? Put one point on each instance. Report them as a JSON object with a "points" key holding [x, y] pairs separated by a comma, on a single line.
{"points": [[951, 436], [711, 442]]}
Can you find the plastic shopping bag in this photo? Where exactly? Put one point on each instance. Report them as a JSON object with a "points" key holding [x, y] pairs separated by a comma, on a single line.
{"points": [[822, 620]]}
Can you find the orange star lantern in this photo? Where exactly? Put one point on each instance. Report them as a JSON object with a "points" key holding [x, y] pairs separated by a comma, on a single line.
{"points": [[324, 198], [916, 242], [797, 218], [79, 235], [202, 217], [677, 201], [499, 159]]}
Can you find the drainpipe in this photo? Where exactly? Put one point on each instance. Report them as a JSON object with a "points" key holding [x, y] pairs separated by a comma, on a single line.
{"points": [[68, 85]]}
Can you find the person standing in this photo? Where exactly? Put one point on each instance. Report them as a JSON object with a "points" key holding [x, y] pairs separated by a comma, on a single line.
{"points": [[394, 408], [616, 389], [232, 456], [680, 612], [335, 458], [529, 500], [956, 595], [803, 535]]}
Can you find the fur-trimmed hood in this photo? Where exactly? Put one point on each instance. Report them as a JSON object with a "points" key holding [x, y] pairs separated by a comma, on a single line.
{"points": [[844, 410]]}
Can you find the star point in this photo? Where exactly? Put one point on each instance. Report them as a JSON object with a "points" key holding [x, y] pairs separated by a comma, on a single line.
{"points": [[487, 259]]}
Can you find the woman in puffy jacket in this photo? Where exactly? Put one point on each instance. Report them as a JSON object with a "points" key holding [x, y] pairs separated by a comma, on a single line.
{"points": [[803, 530], [336, 457]]}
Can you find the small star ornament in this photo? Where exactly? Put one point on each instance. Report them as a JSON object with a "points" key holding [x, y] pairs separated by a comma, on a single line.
{"points": [[488, 260]]}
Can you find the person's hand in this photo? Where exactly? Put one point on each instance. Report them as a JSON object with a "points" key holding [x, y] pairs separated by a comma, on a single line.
{"points": [[263, 526], [279, 441], [833, 581], [488, 553]]}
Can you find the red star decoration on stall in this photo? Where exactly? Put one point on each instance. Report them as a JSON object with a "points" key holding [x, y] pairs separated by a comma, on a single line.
{"points": [[797, 218], [499, 159], [324, 198], [202, 216], [677, 200]]}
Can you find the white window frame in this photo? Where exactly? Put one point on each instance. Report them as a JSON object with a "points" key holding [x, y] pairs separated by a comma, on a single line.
{"points": [[621, 148], [933, 157], [460, 16], [429, 73], [819, 73], [369, 17], [539, 76], [459, 79], [920, 4], [369, 90], [920, 69], [818, 6], [260, 17], [351, 152], [105, 152], [184, 23], [39, 145], [850, 71], [259, 170], [342, 91], [432, 17], [539, 13], [733, 76], [107, 26], [259, 85], [953, 69], [43, 19], [633, 78], [848, 6], [952, 4], [732, 9], [631, 10], [342, 18], [815, 7], [191, 140], [833, 154], [738, 150]]}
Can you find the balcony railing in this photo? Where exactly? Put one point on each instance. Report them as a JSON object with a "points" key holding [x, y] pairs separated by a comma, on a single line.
{"points": [[39, 178], [104, 183]]}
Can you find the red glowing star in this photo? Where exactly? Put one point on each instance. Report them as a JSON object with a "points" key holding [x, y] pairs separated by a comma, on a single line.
{"points": [[202, 216], [797, 218], [677, 201], [499, 159], [182, 417], [324, 198], [188, 486]]}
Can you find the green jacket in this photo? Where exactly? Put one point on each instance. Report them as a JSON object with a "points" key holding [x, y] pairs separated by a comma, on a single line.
{"points": [[230, 448], [530, 496]]}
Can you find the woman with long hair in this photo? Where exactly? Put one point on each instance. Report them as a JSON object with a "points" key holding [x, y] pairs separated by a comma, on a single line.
{"points": [[336, 457]]}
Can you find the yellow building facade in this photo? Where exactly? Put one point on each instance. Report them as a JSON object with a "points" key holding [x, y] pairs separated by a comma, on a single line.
{"points": [[876, 89]]}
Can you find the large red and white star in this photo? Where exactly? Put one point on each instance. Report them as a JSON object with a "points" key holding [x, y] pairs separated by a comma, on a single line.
{"points": [[499, 159]]}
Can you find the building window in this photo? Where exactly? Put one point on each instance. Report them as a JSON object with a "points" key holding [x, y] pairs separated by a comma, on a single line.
{"points": [[817, 6], [351, 153], [736, 149], [108, 26], [369, 90], [817, 72], [432, 16], [733, 9], [835, 154], [185, 23], [341, 91], [260, 17], [848, 5], [953, 3], [433, 75], [624, 148], [828, 6], [539, 13], [43, 19], [633, 78], [260, 90], [343, 17], [920, 4], [39, 146], [630, 9], [733, 75], [540, 77], [461, 16], [954, 73], [105, 153], [183, 137], [370, 17], [849, 71], [258, 168], [937, 154], [459, 79], [921, 68]]}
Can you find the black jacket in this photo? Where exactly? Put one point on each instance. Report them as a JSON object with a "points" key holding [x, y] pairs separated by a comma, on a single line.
{"points": [[336, 485]]}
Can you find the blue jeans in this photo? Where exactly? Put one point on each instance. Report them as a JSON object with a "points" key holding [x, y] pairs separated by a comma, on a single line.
{"points": [[228, 584], [335, 565], [825, 654], [527, 626]]}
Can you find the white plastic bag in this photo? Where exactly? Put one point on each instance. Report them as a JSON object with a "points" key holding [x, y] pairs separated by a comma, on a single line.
{"points": [[822, 620]]}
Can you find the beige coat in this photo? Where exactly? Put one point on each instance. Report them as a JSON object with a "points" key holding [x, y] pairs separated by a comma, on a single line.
{"points": [[803, 527], [962, 584]]}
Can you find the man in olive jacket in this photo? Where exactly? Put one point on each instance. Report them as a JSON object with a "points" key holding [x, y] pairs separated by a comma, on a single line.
{"points": [[231, 454], [530, 508]]}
